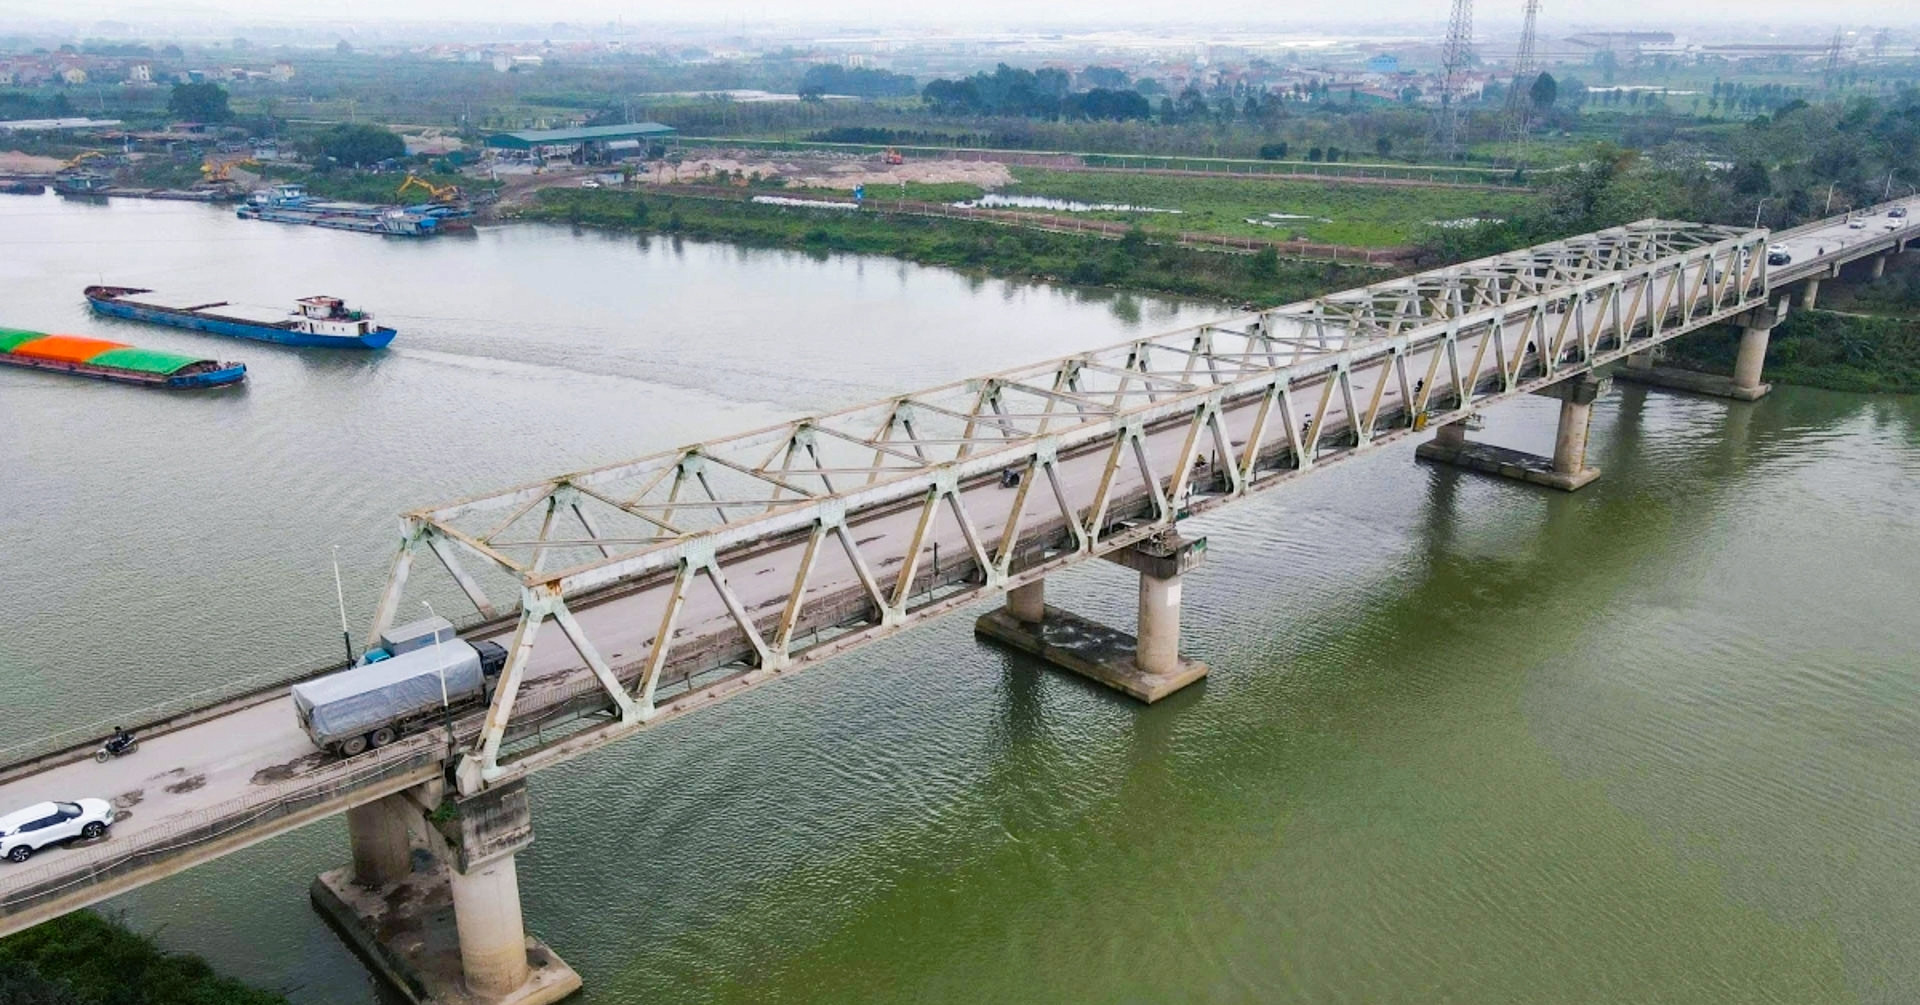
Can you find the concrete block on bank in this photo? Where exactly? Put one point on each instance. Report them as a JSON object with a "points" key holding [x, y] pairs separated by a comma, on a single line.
{"points": [[1089, 649]]}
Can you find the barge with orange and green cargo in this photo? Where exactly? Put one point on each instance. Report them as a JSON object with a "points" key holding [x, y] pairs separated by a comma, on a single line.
{"points": [[116, 361]]}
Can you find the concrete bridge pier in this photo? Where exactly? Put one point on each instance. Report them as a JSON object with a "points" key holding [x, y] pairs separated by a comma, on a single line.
{"points": [[382, 848], [432, 900], [1566, 470], [1756, 327], [1147, 666], [1751, 359]]}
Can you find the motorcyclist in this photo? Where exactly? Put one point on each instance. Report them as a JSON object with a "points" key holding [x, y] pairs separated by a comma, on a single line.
{"points": [[120, 740]]}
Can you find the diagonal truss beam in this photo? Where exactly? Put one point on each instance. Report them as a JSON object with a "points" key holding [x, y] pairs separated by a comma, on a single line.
{"points": [[931, 496]]}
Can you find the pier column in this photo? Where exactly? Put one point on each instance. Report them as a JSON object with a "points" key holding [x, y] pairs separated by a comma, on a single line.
{"points": [[382, 852], [452, 933], [1879, 266], [1028, 604], [493, 940], [1640, 361], [1570, 440], [1811, 295], [1566, 470], [1158, 649], [1752, 357], [1147, 666], [494, 826], [1744, 385]]}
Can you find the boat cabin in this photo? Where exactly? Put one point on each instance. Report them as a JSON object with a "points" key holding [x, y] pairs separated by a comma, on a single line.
{"points": [[330, 316], [280, 195]]}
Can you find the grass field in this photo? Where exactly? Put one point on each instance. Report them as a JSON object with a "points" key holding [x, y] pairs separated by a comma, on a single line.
{"points": [[1130, 263], [1355, 215]]}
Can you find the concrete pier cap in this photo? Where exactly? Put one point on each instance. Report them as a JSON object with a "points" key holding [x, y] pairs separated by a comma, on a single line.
{"points": [[1147, 666], [447, 930]]}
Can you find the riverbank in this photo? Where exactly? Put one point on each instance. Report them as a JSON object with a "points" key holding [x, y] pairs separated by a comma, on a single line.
{"points": [[1130, 262], [1825, 349], [1865, 337], [85, 959]]}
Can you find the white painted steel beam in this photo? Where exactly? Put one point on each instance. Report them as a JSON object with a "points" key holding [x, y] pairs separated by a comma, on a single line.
{"points": [[1128, 437]]}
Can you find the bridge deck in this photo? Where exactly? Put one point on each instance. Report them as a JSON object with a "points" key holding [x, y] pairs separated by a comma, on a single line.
{"points": [[1109, 446]]}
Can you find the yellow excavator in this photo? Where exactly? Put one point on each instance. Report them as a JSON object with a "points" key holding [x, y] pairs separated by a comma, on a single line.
{"points": [[215, 172], [81, 158], [438, 193]]}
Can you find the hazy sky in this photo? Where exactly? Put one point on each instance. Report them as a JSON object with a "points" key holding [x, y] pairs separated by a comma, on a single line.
{"points": [[973, 13]]}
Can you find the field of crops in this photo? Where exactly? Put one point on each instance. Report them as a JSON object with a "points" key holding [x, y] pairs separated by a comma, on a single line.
{"points": [[1356, 215]]}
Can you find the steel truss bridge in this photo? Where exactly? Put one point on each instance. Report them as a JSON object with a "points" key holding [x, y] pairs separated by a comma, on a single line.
{"points": [[678, 580], [637, 592]]}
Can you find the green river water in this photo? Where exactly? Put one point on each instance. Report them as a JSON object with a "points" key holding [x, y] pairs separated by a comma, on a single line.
{"points": [[1464, 740]]}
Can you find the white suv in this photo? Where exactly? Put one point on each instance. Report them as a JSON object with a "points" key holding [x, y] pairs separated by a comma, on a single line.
{"points": [[24, 832]]}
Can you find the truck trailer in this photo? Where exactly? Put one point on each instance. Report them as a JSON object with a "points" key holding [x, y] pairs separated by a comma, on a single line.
{"points": [[419, 674]]}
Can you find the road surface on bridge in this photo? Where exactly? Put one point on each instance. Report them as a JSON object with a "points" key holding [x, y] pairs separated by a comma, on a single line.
{"points": [[1818, 246], [256, 752]]}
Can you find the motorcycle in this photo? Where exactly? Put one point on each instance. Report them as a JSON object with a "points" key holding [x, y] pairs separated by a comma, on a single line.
{"points": [[110, 749]]}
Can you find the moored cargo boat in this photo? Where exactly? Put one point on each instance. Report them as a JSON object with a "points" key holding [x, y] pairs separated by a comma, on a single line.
{"points": [[116, 361], [315, 322], [292, 204]]}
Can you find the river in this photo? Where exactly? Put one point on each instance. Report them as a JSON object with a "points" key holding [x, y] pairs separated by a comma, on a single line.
{"points": [[1464, 740]]}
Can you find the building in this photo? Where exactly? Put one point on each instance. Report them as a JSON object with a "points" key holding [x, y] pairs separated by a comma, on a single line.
{"points": [[587, 145], [140, 73], [73, 75], [1621, 41], [1385, 62], [281, 73]]}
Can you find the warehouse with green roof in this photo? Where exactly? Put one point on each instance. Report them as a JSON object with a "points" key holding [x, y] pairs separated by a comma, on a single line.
{"points": [[586, 144]]}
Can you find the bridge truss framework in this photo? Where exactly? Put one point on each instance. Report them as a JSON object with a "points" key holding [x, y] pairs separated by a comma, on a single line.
{"points": [[1020, 472]]}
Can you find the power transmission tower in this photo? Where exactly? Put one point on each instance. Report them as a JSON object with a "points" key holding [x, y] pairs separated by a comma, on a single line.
{"points": [[1834, 49], [1520, 94], [1454, 59]]}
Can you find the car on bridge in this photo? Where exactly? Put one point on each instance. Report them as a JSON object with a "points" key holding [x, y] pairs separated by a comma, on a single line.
{"points": [[1898, 212], [1778, 255], [24, 832]]}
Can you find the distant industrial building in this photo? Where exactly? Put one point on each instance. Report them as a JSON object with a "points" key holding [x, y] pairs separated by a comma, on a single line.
{"points": [[1622, 41], [588, 144]]}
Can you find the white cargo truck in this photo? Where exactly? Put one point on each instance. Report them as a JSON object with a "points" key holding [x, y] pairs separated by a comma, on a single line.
{"points": [[419, 674]]}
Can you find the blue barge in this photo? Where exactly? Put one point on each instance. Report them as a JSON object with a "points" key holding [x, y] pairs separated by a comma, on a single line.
{"points": [[316, 322], [291, 204]]}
